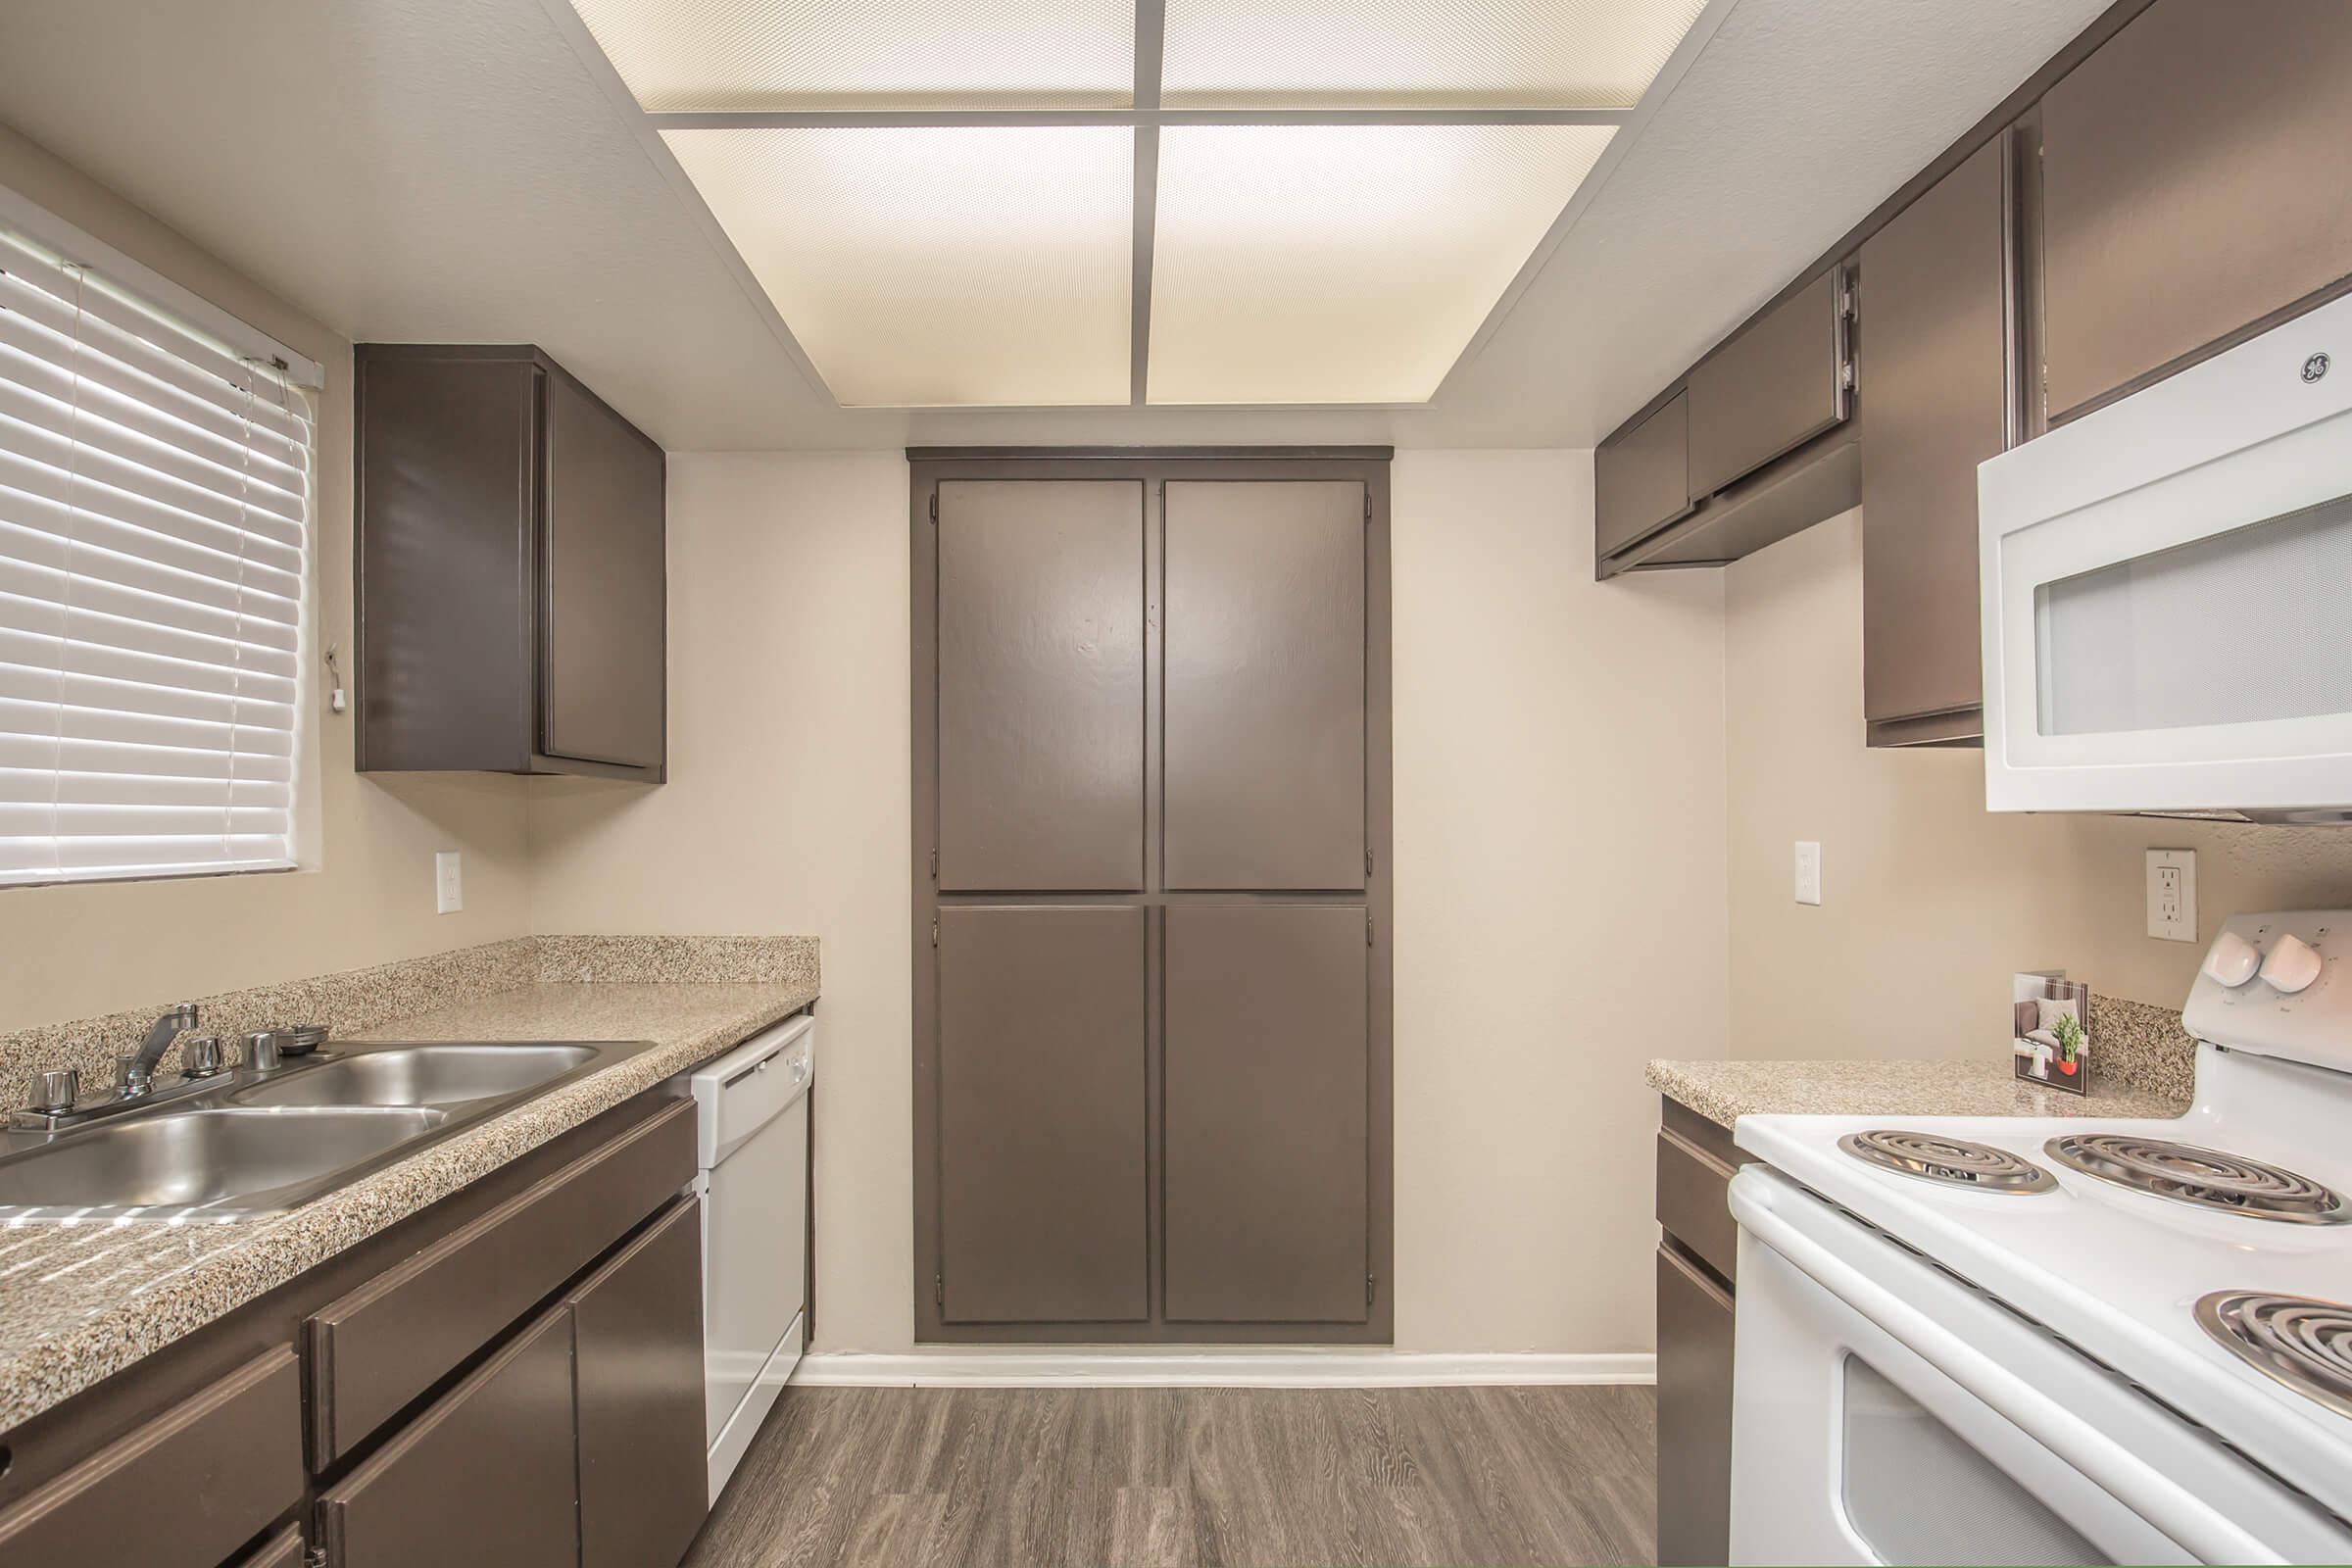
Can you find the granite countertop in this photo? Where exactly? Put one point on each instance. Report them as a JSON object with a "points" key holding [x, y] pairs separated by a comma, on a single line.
{"points": [[1725, 1091], [81, 1301]]}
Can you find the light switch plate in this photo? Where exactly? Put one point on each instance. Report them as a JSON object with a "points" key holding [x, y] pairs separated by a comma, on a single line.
{"points": [[449, 884], [1808, 871], [2173, 895]]}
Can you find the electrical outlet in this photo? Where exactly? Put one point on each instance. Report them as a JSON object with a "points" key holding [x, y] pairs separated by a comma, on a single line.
{"points": [[2173, 895], [1808, 871], [449, 883]]}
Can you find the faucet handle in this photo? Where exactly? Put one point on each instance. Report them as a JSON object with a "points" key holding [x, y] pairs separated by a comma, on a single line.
{"points": [[264, 1049], [54, 1092], [200, 1057]]}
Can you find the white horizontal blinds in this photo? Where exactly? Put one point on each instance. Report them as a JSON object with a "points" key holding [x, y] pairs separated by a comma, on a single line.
{"points": [[154, 535]]}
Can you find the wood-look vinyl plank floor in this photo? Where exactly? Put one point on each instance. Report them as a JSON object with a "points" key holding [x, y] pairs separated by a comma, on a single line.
{"points": [[1192, 1478]]}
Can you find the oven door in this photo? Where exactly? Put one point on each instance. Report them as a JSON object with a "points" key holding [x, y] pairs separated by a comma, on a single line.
{"points": [[2163, 591], [1884, 1412]]}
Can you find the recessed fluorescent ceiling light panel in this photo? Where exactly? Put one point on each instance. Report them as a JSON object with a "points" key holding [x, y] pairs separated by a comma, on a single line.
{"points": [[1301, 54], [905, 180], [868, 54], [1342, 263], [933, 266]]}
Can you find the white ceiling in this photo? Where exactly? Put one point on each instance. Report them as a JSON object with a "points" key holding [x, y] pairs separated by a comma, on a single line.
{"points": [[471, 171]]}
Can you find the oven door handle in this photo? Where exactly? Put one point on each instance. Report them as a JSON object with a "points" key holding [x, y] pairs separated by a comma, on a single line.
{"points": [[2195, 1527]]}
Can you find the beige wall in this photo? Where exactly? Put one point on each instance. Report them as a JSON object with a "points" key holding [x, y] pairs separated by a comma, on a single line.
{"points": [[1929, 902], [786, 810], [1559, 900], [68, 952], [1559, 806]]}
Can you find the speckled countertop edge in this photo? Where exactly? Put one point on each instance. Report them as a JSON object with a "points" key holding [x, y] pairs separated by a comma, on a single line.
{"points": [[80, 1303], [1725, 1091]]}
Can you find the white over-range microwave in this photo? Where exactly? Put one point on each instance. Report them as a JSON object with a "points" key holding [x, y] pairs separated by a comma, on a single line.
{"points": [[2167, 593]]}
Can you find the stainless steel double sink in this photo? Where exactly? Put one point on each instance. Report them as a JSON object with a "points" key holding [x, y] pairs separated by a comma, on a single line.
{"points": [[253, 1144]]}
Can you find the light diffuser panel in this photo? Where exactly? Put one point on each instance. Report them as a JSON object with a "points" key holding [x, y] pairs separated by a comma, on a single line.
{"points": [[1342, 263], [1313, 54], [934, 266], [685, 55]]}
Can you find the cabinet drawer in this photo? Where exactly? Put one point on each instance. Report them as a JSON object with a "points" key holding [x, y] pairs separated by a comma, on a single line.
{"points": [[229, 1461], [1693, 1193], [485, 1476], [376, 1350], [1777, 385]]}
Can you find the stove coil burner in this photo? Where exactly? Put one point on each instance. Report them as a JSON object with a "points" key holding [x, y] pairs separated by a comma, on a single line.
{"points": [[2204, 1177], [1948, 1161], [2300, 1340]]}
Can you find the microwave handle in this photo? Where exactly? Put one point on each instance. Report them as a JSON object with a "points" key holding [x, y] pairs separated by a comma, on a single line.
{"points": [[2196, 1528]]}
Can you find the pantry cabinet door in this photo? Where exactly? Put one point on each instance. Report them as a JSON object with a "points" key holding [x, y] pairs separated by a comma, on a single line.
{"points": [[1268, 1102], [1042, 1144], [1264, 769], [1041, 685]]}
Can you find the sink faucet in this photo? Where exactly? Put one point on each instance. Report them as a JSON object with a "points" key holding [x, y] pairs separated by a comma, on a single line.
{"points": [[135, 1071]]}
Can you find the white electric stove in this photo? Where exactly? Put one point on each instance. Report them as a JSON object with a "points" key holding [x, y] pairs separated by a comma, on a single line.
{"points": [[2021, 1341]]}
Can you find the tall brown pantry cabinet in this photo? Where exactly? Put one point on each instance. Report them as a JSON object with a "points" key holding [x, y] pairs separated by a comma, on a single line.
{"points": [[1151, 896]]}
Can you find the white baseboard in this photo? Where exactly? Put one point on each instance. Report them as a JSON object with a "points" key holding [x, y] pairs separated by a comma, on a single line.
{"points": [[1110, 1368]]}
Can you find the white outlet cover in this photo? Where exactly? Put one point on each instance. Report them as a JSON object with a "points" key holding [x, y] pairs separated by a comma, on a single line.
{"points": [[449, 884], [1808, 871], [2173, 895]]}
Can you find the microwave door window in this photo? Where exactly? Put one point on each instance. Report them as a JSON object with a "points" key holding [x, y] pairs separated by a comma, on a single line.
{"points": [[2240, 627]]}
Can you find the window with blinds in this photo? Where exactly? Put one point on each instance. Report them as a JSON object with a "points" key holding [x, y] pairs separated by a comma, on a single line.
{"points": [[155, 490]]}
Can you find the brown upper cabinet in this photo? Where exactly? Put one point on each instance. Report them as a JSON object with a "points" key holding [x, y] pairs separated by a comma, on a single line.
{"points": [[2191, 189], [1641, 477], [510, 589], [1940, 391], [1753, 446], [1777, 384]]}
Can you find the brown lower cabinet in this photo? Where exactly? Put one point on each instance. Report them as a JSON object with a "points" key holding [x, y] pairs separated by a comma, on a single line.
{"points": [[563, 1428], [1698, 1263], [637, 1350], [486, 1475]]}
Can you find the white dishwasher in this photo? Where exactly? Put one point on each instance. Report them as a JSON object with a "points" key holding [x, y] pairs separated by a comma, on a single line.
{"points": [[753, 1120]]}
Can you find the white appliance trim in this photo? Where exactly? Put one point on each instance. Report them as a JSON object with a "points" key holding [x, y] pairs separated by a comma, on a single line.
{"points": [[1108, 1368], [2046, 1414], [2242, 438], [734, 1440]]}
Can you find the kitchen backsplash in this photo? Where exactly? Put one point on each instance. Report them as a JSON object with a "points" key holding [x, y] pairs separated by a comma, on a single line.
{"points": [[2141, 1044]]}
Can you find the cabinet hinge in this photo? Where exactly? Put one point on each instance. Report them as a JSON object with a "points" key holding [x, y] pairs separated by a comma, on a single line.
{"points": [[935, 930], [939, 1289], [313, 1557], [1367, 503], [1369, 1282], [935, 505], [1367, 863], [935, 865], [1367, 931]]}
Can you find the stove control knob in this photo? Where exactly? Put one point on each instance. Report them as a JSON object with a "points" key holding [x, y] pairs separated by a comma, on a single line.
{"points": [[2233, 959], [2291, 966]]}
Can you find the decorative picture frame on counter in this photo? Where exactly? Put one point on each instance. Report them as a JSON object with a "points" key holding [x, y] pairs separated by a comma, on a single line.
{"points": [[2050, 1030]]}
